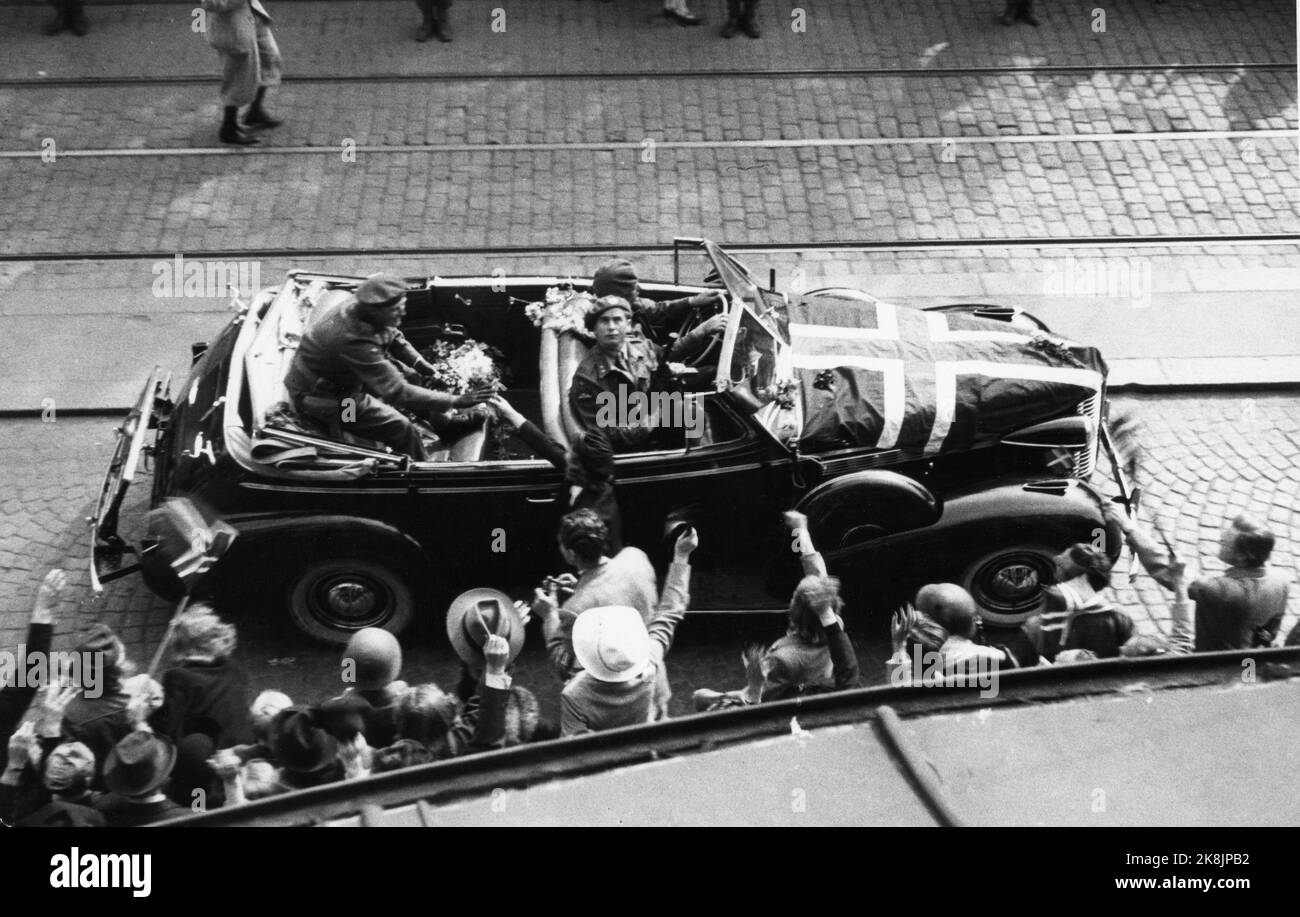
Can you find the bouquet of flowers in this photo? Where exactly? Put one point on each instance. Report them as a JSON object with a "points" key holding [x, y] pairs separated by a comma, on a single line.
{"points": [[563, 310], [458, 368]]}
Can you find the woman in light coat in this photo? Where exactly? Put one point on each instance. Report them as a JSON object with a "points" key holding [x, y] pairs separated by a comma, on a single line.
{"points": [[240, 31]]}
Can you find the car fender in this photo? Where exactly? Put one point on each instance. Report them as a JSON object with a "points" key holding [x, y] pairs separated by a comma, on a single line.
{"points": [[272, 544], [1052, 512], [867, 505]]}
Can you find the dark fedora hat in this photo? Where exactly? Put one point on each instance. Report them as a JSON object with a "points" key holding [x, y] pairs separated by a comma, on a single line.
{"points": [[474, 615], [301, 745], [139, 764]]}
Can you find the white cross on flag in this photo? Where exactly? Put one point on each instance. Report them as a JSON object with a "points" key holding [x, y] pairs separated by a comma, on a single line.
{"points": [[884, 376]]}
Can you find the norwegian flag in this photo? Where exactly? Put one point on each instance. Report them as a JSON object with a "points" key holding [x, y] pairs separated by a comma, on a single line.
{"points": [[885, 376]]}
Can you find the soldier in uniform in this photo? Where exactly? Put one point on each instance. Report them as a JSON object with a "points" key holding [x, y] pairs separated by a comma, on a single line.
{"points": [[435, 22], [350, 371], [623, 362], [618, 278]]}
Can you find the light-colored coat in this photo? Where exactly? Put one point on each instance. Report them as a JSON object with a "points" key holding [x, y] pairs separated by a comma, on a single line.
{"points": [[232, 24]]}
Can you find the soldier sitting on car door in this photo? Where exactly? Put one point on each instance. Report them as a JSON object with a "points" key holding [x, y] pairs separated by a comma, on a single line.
{"points": [[348, 373]]}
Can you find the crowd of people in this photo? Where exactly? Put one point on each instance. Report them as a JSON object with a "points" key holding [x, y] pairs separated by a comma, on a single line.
{"points": [[138, 750]]}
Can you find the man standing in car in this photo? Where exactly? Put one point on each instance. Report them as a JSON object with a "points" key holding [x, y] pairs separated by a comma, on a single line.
{"points": [[349, 372]]}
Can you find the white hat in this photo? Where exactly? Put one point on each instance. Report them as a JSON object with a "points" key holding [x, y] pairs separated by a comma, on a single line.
{"points": [[611, 643]]}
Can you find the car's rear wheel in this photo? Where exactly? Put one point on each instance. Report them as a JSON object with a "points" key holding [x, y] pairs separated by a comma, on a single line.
{"points": [[330, 599], [1007, 584]]}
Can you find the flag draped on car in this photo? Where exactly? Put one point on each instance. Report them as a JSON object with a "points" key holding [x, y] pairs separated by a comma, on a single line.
{"points": [[884, 376]]}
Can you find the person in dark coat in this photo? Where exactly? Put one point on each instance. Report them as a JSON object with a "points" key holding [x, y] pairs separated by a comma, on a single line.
{"points": [[206, 691], [588, 468], [99, 714], [136, 772]]}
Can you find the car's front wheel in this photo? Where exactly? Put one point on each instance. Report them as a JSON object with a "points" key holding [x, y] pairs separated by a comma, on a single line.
{"points": [[1007, 584], [333, 598]]}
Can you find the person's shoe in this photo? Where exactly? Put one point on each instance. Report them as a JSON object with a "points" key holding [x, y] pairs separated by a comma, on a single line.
{"points": [[750, 27], [1010, 13], [682, 18], [232, 134], [55, 25], [1029, 17], [258, 118], [442, 30], [425, 31], [731, 28], [80, 25]]}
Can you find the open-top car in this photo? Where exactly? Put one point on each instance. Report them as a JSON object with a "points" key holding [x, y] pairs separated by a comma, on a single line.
{"points": [[948, 444]]}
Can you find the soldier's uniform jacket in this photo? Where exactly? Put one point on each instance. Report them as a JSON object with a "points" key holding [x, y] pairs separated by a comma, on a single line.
{"points": [[634, 369], [649, 316], [344, 354]]}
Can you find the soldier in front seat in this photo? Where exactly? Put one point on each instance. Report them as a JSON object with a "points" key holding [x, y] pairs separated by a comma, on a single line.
{"points": [[626, 366], [652, 319], [348, 371]]}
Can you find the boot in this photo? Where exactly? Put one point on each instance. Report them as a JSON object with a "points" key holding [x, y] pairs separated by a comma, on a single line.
{"points": [[442, 24], [748, 24], [60, 20], [733, 19], [76, 16], [1009, 14], [257, 116], [230, 132], [1026, 12], [425, 32]]}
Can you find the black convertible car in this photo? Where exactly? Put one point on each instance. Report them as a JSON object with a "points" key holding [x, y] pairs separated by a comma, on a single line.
{"points": [[947, 444]]}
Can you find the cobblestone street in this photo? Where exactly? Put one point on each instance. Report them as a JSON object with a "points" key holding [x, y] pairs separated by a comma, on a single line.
{"points": [[1128, 175]]}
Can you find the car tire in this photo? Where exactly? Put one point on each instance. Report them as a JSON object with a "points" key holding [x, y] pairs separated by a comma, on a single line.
{"points": [[330, 599], [1000, 583]]}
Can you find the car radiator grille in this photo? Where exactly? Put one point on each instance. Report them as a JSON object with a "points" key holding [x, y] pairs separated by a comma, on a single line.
{"points": [[1085, 460]]}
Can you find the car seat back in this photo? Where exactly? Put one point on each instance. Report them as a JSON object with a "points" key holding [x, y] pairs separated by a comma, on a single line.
{"points": [[561, 355]]}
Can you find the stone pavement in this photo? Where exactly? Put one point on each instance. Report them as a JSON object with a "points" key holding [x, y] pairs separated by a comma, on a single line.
{"points": [[1210, 457], [540, 110], [343, 37]]}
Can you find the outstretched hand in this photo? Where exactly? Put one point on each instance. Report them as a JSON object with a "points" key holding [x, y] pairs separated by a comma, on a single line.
{"points": [[47, 596], [687, 542], [900, 624], [474, 397]]}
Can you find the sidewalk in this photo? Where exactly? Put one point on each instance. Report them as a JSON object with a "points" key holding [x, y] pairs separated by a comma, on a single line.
{"points": [[1213, 316], [344, 37]]}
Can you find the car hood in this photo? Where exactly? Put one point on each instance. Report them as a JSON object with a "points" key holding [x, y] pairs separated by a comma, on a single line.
{"points": [[882, 376]]}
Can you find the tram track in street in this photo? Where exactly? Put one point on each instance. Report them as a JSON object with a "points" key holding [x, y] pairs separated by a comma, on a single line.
{"points": [[83, 82], [666, 248]]}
